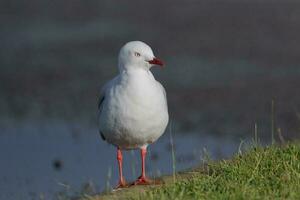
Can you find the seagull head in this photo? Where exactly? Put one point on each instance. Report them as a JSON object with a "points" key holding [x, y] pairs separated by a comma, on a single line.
{"points": [[137, 54]]}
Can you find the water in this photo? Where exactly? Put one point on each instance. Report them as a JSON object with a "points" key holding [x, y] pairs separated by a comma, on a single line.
{"points": [[41, 158], [220, 84]]}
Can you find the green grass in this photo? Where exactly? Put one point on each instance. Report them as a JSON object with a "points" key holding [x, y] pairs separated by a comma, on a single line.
{"points": [[270, 173], [261, 173]]}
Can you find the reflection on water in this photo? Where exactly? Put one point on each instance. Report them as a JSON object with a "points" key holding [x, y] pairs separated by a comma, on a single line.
{"points": [[41, 158]]}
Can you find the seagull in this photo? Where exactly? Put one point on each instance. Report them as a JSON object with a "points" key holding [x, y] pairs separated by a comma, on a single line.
{"points": [[132, 109]]}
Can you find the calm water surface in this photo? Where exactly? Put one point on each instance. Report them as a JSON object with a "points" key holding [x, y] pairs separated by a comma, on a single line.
{"points": [[41, 158]]}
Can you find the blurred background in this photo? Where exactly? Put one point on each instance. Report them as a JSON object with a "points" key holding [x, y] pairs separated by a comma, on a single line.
{"points": [[226, 62]]}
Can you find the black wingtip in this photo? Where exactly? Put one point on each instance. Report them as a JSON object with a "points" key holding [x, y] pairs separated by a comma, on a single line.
{"points": [[100, 102], [102, 136]]}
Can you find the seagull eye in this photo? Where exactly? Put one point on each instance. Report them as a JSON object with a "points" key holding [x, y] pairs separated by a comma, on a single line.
{"points": [[137, 54]]}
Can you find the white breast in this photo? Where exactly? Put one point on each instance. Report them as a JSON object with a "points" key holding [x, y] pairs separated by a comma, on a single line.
{"points": [[134, 111]]}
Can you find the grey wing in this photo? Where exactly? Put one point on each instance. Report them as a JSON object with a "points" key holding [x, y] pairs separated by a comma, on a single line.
{"points": [[100, 103], [101, 100]]}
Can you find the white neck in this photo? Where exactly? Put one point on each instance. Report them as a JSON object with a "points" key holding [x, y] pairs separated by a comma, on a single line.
{"points": [[132, 66], [136, 72]]}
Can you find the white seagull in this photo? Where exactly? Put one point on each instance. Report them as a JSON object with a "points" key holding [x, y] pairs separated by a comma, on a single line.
{"points": [[133, 111]]}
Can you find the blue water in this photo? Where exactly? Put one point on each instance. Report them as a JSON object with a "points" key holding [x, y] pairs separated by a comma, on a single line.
{"points": [[40, 158]]}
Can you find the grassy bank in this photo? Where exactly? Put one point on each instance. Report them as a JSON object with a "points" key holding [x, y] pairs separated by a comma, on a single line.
{"points": [[261, 173]]}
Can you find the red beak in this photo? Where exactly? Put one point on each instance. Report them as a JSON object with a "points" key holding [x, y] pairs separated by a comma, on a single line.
{"points": [[156, 61]]}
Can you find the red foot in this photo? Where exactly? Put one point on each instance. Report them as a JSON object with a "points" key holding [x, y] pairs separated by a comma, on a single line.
{"points": [[122, 184], [143, 180]]}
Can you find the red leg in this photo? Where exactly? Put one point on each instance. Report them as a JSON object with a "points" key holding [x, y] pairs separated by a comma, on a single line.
{"points": [[143, 180], [122, 182]]}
